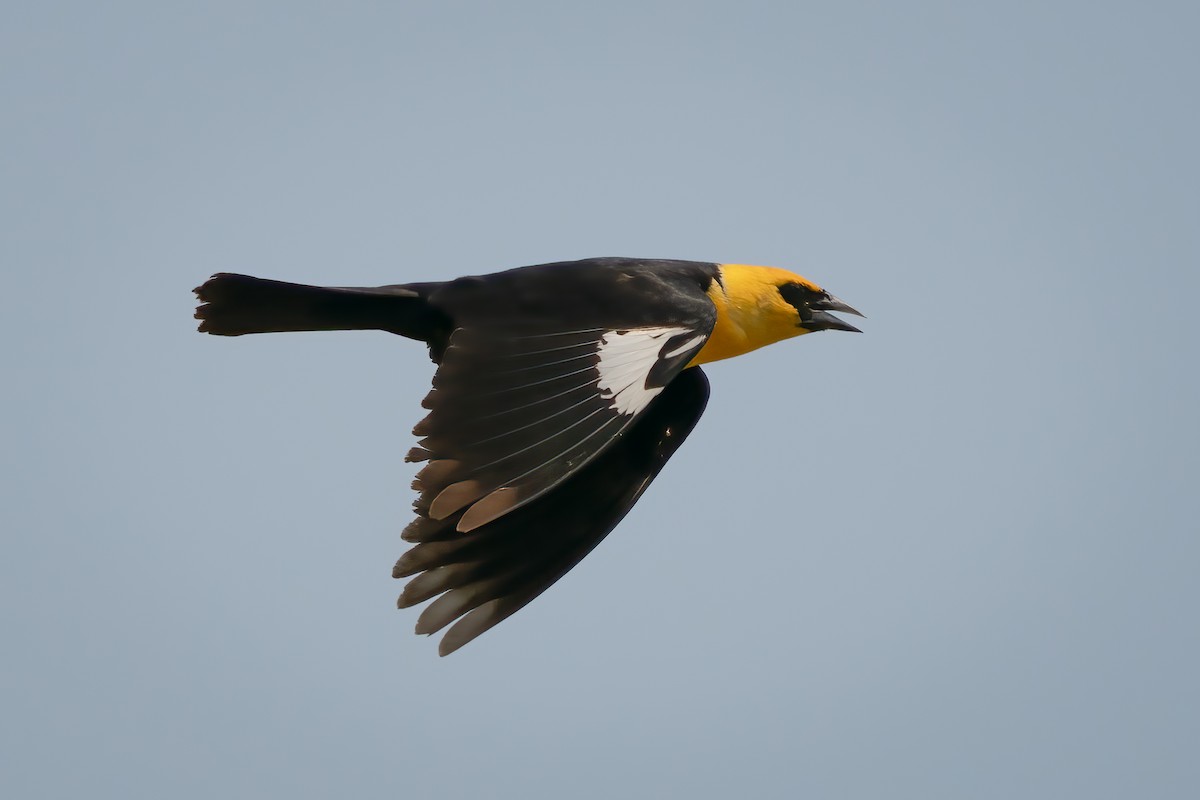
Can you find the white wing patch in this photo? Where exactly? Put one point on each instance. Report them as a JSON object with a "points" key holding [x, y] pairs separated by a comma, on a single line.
{"points": [[625, 360]]}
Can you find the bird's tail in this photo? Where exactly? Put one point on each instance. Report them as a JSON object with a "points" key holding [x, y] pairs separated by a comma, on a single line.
{"points": [[232, 305]]}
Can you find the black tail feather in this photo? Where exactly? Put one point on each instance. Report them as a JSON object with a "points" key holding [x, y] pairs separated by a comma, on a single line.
{"points": [[233, 305]]}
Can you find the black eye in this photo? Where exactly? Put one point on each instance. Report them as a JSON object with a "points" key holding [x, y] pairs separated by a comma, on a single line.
{"points": [[799, 295]]}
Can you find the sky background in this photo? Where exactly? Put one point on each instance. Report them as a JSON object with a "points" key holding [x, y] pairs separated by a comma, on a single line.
{"points": [[953, 557]]}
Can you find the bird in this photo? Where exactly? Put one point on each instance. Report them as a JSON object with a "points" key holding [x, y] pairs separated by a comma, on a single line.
{"points": [[560, 392]]}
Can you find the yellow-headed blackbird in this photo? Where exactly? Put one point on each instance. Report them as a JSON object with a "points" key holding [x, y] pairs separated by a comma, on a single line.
{"points": [[561, 391]]}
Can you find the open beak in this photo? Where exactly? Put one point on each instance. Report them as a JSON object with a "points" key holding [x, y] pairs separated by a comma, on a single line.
{"points": [[819, 320]]}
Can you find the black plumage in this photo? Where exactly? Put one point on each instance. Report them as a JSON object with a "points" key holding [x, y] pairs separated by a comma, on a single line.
{"points": [[514, 412]]}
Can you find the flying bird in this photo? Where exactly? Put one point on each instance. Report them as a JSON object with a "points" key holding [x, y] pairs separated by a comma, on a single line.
{"points": [[561, 391]]}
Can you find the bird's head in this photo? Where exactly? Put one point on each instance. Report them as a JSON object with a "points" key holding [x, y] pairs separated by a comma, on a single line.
{"points": [[757, 306]]}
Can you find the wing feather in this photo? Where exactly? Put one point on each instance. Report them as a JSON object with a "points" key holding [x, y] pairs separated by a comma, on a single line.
{"points": [[510, 418], [484, 576]]}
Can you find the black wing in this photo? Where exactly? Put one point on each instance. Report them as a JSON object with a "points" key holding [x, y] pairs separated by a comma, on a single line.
{"points": [[540, 377], [513, 417], [490, 573]]}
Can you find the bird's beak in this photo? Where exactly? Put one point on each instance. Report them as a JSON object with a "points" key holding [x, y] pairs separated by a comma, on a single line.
{"points": [[819, 320]]}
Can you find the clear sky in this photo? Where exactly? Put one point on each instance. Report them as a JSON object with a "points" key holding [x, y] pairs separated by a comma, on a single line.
{"points": [[953, 557]]}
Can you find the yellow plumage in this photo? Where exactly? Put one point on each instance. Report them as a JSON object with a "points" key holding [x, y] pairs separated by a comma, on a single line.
{"points": [[750, 311]]}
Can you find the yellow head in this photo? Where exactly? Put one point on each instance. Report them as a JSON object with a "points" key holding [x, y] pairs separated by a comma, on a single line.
{"points": [[757, 306]]}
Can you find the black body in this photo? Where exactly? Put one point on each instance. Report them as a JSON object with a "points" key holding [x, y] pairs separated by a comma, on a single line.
{"points": [[530, 468]]}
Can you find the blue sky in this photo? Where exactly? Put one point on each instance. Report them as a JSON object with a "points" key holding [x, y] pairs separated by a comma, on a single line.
{"points": [[955, 556]]}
